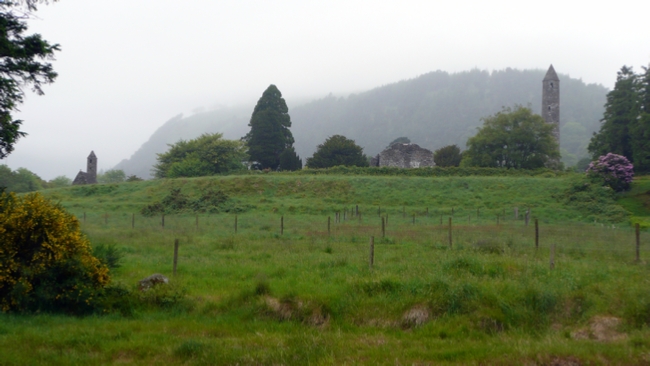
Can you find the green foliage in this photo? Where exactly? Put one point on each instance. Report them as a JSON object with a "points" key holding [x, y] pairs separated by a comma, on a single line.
{"points": [[625, 128], [208, 154], [110, 255], [177, 202], [337, 150], [399, 140], [289, 160], [447, 156], [134, 178], [269, 136], [515, 139], [593, 198], [46, 264], [22, 63], [20, 181], [111, 176], [60, 181]]}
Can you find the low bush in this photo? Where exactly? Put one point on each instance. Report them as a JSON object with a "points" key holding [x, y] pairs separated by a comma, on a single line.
{"points": [[46, 264]]}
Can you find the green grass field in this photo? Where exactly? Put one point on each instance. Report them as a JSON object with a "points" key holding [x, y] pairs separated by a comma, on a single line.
{"points": [[303, 295]]}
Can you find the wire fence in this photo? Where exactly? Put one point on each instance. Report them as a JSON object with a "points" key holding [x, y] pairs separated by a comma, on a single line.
{"points": [[506, 234]]}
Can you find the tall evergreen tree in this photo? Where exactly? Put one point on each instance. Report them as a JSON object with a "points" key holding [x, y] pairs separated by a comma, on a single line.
{"points": [[621, 112], [640, 130], [269, 135]]}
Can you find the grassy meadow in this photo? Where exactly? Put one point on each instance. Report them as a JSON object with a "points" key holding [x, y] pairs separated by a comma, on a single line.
{"points": [[262, 293]]}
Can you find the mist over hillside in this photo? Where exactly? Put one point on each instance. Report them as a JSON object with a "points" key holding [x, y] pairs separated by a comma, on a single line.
{"points": [[433, 110]]}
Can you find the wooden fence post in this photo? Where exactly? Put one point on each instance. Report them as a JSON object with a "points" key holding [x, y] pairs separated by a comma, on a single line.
{"points": [[328, 225], [383, 228], [357, 209], [536, 234], [372, 251], [163, 221], [516, 213], [552, 260], [281, 225], [638, 243], [450, 243], [527, 216], [175, 255]]}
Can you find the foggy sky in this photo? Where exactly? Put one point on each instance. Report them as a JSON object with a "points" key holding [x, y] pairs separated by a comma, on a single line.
{"points": [[127, 66]]}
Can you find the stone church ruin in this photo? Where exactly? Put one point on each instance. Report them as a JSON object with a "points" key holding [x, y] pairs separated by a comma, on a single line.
{"points": [[90, 175], [404, 156]]}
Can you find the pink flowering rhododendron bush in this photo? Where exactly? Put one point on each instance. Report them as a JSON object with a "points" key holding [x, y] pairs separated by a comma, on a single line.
{"points": [[46, 263], [615, 171]]}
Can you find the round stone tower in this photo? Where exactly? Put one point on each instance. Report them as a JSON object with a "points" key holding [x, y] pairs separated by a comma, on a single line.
{"points": [[551, 101]]}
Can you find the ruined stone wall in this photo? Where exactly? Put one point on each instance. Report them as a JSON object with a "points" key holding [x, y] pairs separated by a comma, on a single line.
{"points": [[406, 156]]}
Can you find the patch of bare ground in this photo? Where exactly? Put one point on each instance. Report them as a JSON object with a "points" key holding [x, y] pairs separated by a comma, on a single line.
{"points": [[602, 329]]}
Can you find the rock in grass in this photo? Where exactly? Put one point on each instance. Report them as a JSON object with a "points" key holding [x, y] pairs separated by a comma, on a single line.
{"points": [[153, 280], [415, 316]]}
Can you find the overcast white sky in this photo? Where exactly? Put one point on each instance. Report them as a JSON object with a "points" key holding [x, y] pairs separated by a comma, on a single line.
{"points": [[127, 66]]}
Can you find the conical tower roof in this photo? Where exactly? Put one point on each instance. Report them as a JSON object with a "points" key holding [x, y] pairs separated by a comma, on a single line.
{"points": [[551, 75], [92, 154]]}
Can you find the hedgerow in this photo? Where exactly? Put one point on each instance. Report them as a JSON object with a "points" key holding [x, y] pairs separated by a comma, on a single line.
{"points": [[46, 263]]}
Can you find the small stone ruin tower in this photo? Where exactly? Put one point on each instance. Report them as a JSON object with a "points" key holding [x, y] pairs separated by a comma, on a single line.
{"points": [[551, 101], [90, 175]]}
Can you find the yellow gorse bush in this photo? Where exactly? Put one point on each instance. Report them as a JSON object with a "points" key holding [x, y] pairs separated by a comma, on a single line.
{"points": [[46, 263]]}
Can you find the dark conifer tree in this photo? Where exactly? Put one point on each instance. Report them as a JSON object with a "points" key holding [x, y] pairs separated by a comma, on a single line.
{"points": [[269, 135], [640, 130], [621, 112], [289, 160]]}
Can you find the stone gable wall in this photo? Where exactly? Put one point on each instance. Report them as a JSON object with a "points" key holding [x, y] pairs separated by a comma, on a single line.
{"points": [[405, 156]]}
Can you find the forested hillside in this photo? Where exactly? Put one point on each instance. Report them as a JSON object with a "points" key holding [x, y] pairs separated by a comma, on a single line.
{"points": [[433, 110]]}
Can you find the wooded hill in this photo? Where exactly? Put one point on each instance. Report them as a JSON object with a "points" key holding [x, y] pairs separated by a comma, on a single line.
{"points": [[433, 110]]}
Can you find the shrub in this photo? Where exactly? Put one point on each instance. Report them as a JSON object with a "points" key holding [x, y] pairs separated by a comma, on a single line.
{"points": [[447, 156], [46, 264], [614, 170]]}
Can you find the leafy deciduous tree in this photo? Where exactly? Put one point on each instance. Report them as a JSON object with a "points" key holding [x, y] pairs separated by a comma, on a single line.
{"points": [[22, 63], [60, 181], [337, 150], [269, 135], [512, 139], [447, 156], [208, 154], [111, 176]]}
